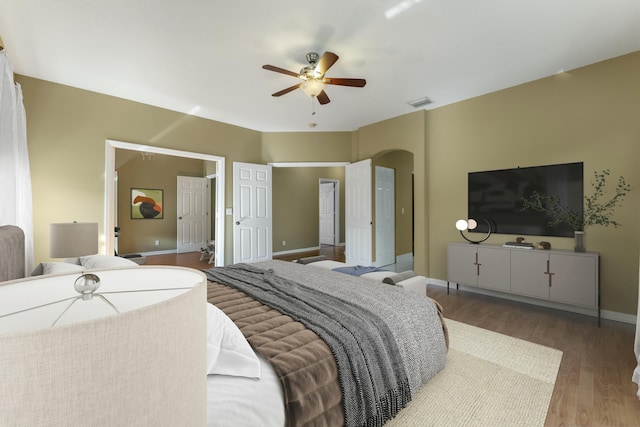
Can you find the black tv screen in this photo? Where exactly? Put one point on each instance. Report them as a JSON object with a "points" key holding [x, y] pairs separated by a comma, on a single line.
{"points": [[496, 196]]}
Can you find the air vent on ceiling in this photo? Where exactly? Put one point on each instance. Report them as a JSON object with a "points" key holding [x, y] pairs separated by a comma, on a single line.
{"points": [[420, 102]]}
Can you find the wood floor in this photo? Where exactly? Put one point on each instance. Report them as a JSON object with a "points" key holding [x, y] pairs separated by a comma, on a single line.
{"points": [[593, 387], [192, 260]]}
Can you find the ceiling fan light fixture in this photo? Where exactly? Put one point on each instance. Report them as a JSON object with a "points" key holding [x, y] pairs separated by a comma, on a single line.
{"points": [[309, 73], [313, 78], [312, 87]]}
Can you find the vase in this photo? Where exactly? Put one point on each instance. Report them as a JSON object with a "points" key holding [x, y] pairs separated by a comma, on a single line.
{"points": [[580, 244]]}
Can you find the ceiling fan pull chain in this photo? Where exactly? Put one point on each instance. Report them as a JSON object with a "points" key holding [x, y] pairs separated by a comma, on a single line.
{"points": [[313, 106]]}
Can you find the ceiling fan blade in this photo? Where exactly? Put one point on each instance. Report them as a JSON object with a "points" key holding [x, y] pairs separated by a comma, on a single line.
{"points": [[323, 98], [326, 61], [344, 82], [287, 90], [280, 70]]}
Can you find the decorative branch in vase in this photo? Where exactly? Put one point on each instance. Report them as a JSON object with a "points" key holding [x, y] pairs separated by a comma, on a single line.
{"points": [[596, 211]]}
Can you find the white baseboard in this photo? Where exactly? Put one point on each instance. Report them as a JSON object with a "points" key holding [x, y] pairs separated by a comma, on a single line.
{"points": [[165, 252], [605, 314], [619, 317]]}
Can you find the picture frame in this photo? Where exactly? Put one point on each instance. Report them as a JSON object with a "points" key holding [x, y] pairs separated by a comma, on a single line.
{"points": [[146, 203]]}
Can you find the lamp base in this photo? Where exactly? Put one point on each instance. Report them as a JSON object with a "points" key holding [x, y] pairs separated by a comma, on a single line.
{"points": [[481, 240]]}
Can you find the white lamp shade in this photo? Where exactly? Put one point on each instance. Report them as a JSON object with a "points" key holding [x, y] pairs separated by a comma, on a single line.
{"points": [[312, 87], [143, 366], [461, 224], [73, 239]]}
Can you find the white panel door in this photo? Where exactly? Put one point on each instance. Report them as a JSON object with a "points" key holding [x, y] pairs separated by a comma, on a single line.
{"points": [[193, 214], [385, 216], [358, 214], [252, 221], [327, 213]]}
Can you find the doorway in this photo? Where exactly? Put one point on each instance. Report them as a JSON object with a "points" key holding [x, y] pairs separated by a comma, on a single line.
{"points": [[401, 163], [252, 212], [192, 214], [329, 212], [358, 213], [385, 216], [110, 212]]}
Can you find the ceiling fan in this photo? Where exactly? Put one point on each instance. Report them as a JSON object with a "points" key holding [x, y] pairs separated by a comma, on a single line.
{"points": [[313, 79]]}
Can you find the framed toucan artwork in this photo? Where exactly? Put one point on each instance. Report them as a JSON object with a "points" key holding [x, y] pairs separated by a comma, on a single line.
{"points": [[146, 203]]}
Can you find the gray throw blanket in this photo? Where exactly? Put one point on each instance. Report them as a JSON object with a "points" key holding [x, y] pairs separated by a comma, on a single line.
{"points": [[368, 359], [371, 358]]}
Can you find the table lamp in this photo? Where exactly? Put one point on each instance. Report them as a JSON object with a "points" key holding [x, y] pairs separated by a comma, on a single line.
{"points": [[136, 358], [471, 224], [73, 239]]}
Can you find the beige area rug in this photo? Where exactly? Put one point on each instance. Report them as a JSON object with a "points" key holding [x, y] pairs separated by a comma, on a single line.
{"points": [[490, 379]]}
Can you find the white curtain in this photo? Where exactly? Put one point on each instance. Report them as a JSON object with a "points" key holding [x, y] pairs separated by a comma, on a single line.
{"points": [[15, 174], [636, 372]]}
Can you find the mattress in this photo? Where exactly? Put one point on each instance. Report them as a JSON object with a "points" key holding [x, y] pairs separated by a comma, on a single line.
{"points": [[245, 402]]}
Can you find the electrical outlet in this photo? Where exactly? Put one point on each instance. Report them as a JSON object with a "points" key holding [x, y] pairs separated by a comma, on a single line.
{"points": [[284, 243], [157, 242]]}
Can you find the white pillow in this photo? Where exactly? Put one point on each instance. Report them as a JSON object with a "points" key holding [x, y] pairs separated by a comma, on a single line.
{"points": [[228, 352], [105, 261], [60, 267]]}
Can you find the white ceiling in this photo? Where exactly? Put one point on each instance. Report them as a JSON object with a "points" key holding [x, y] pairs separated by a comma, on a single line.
{"points": [[205, 57]]}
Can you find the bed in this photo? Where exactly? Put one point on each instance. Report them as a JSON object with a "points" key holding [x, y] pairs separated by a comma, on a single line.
{"points": [[12, 259], [271, 362], [346, 350]]}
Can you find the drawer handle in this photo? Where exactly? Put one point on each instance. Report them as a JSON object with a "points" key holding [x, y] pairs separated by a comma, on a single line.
{"points": [[550, 274]]}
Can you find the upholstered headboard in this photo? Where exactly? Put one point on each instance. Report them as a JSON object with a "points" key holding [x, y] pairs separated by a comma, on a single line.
{"points": [[11, 253]]}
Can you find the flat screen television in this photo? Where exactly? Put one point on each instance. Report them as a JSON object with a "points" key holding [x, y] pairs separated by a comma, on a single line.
{"points": [[496, 196]]}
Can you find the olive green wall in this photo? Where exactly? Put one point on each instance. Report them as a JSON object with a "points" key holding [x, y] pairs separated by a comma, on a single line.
{"points": [[297, 223], [405, 133], [160, 172], [296, 206], [306, 147], [66, 132], [589, 115]]}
